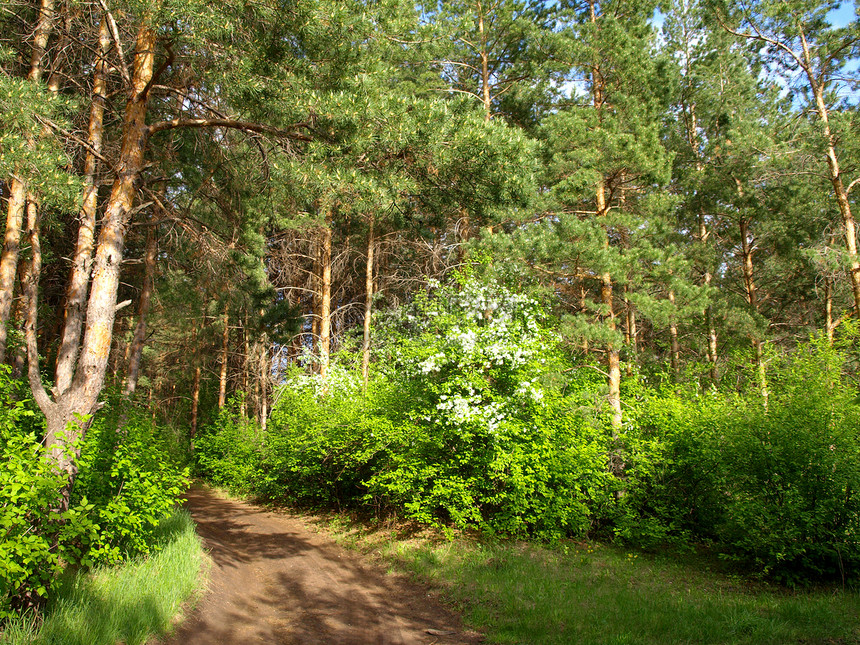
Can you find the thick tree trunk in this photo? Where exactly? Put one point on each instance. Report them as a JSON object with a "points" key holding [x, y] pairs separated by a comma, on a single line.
{"points": [[137, 342], [368, 305], [81, 398], [325, 297], [79, 279], [225, 346]]}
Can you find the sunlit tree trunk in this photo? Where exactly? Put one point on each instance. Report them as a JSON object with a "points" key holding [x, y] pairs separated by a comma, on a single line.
{"points": [[17, 189], [325, 297], [675, 346], [752, 298], [195, 387], [66, 414], [82, 262]]}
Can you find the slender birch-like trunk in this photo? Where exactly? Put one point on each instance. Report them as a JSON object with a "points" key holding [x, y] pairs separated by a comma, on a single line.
{"points": [[368, 305], [752, 298], [225, 346], [325, 297], [137, 342]]}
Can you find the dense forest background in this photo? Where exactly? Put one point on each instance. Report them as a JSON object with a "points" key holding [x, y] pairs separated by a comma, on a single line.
{"points": [[536, 268]]}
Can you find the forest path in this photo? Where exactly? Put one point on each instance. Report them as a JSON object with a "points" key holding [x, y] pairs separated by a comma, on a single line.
{"points": [[276, 581]]}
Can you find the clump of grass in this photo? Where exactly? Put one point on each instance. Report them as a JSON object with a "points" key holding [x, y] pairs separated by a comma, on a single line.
{"points": [[128, 603], [602, 595]]}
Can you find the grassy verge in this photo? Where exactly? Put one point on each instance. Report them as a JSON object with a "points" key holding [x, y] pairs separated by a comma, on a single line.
{"points": [[591, 594], [125, 604]]}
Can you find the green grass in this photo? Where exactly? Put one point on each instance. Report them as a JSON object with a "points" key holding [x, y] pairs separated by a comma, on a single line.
{"points": [[128, 603], [601, 595]]}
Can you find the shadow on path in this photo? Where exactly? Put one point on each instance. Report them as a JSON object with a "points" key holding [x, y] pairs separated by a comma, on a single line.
{"points": [[275, 581]]}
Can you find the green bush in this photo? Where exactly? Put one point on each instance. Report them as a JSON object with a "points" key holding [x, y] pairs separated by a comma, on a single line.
{"points": [[462, 432], [35, 541], [126, 485], [132, 482], [775, 489]]}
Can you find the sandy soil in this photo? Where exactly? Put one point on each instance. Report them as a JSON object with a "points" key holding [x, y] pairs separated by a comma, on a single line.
{"points": [[274, 580]]}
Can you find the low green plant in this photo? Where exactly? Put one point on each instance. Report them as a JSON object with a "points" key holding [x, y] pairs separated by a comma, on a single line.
{"points": [[127, 603]]}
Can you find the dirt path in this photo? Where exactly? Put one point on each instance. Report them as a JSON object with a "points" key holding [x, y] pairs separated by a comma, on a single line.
{"points": [[275, 581]]}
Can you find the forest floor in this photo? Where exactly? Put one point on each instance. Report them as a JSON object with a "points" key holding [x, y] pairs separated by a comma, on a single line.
{"points": [[275, 580]]}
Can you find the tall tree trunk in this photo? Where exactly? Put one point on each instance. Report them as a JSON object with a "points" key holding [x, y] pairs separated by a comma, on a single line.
{"points": [[708, 313], [77, 291], [325, 296], [613, 358], [17, 187], [828, 309], [81, 399], [264, 378], [752, 298], [368, 305], [137, 342], [485, 65], [818, 90], [225, 346]]}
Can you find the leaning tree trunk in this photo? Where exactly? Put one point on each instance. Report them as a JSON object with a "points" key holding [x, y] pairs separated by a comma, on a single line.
{"points": [[66, 415]]}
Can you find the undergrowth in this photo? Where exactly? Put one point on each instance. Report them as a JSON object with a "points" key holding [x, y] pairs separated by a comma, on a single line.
{"points": [[125, 603]]}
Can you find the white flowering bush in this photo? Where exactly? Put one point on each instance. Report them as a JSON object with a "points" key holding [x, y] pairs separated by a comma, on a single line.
{"points": [[485, 441], [476, 350]]}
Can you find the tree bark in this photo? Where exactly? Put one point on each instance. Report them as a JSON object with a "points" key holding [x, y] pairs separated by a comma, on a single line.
{"points": [[485, 65], [9, 259], [67, 414], [265, 377], [246, 364], [195, 388], [137, 342], [79, 279], [368, 305], [17, 187]]}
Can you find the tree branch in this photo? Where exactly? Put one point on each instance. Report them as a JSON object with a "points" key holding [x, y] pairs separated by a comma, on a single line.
{"points": [[246, 126]]}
